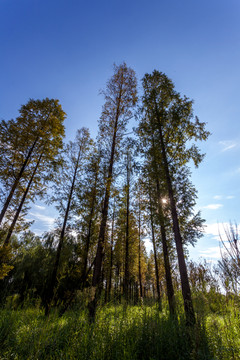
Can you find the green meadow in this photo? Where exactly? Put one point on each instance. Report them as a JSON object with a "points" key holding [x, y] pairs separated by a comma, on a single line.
{"points": [[121, 332]]}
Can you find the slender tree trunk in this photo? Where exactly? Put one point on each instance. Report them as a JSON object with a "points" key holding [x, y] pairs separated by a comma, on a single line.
{"points": [[139, 252], [167, 266], [111, 256], [126, 277], [87, 245], [168, 276], [16, 182], [99, 256], [53, 280], [188, 305], [19, 176], [155, 255], [100, 248], [10, 231]]}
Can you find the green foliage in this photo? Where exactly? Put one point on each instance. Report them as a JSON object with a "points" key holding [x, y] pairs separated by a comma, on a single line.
{"points": [[28, 148]]}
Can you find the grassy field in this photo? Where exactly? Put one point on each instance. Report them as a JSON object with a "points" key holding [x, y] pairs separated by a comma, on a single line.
{"points": [[119, 332]]}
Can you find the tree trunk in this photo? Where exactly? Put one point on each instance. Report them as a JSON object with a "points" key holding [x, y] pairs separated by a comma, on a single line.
{"points": [[188, 305], [155, 255], [10, 231], [87, 245], [126, 277], [19, 176], [16, 182], [139, 253], [167, 266], [53, 281], [111, 256], [100, 252]]}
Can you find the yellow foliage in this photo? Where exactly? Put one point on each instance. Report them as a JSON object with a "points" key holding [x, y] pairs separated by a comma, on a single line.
{"points": [[5, 257]]}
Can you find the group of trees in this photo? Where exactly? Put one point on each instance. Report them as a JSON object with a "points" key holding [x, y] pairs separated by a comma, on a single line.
{"points": [[111, 193]]}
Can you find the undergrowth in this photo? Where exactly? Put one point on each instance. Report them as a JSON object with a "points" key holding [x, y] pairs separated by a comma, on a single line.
{"points": [[119, 332]]}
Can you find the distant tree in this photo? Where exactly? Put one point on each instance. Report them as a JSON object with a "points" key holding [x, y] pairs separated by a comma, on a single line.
{"points": [[229, 265], [26, 277]]}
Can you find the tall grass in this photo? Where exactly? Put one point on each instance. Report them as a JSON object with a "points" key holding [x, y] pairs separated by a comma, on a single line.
{"points": [[119, 332]]}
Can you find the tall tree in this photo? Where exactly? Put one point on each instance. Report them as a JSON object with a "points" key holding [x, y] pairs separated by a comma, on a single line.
{"points": [[120, 96], [171, 117]]}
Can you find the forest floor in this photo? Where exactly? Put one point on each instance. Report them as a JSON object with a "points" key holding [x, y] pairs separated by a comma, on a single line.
{"points": [[119, 332]]}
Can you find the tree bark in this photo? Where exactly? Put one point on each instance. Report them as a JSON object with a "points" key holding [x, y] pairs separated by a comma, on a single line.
{"points": [[139, 252], [188, 305], [126, 277], [155, 255], [19, 176], [111, 257], [87, 245], [100, 248], [53, 280], [16, 182], [167, 266], [10, 231]]}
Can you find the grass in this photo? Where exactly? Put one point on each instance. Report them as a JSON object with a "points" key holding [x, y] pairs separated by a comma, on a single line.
{"points": [[119, 332]]}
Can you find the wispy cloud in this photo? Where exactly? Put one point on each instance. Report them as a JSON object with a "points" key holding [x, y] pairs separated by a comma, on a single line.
{"points": [[213, 206], [228, 144], [39, 207], [221, 197], [47, 220], [211, 252], [217, 197]]}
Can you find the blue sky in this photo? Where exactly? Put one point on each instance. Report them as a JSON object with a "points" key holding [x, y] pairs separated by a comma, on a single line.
{"points": [[65, 49]]}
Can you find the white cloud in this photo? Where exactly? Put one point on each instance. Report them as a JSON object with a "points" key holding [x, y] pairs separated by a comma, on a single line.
{"points": [[213, 206], [38, 232], [217, 233], [39, 207], [148, 245], [217, 197], [218, 230], [221, 197], [228, 144], [214, 229], [47, 220], [211, 252]]}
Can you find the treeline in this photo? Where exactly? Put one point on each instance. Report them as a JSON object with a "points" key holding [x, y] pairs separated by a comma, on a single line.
{"points": [[111, 193]]}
